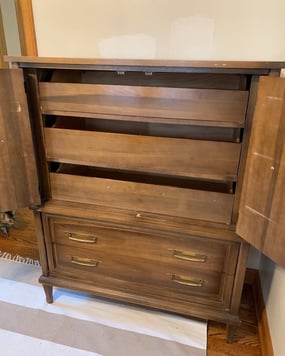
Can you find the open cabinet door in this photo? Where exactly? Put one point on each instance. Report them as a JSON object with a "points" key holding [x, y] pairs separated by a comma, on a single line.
{"points": [[262, 209], [18, 173]]}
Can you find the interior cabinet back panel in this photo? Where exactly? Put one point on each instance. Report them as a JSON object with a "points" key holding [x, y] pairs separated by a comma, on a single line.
{"points": [[157, 199], [227, 134], [182, 80], [189, 158], [218, 107]]}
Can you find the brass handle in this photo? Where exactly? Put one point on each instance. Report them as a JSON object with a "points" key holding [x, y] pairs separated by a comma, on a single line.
{"points": [[75, 236], [82, 261], [189, 256], [186, 281]]}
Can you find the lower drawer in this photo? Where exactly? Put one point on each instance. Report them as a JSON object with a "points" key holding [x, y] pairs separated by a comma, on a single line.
{"points": [[141, 274], [187, 251]]}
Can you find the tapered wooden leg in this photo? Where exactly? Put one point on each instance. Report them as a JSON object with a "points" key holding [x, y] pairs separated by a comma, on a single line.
{"points": [[230, 332], [48, 292]]}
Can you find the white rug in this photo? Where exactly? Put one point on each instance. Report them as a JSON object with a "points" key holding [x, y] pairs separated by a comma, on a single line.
{"points": [[80, 324]]}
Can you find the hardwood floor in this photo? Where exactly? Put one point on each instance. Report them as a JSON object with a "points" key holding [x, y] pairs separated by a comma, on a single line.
{"points": [[22, 238], [246, 340], [22, 241]]}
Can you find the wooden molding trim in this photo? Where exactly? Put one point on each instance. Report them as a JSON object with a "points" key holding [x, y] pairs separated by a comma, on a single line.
{"points": [[3, 47], [252, 278], [26, 27]]}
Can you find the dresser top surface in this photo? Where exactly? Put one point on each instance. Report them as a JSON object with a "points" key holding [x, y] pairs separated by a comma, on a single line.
{"points": [[260, 67]]}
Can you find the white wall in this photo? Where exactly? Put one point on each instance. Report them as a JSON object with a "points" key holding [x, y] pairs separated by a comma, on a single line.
{"points": [[273, 286], [180, 29]]}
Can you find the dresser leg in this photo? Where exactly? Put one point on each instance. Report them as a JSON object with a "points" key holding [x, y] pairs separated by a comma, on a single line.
{"points": [[230, 332], [48, 292]]}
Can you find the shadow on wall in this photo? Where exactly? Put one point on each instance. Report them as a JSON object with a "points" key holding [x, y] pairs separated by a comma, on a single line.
{"points": [[266, 272]]}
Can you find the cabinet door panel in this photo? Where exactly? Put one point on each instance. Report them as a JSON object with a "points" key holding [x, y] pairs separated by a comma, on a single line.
{"points": [[18, 178], [261, 216], [274, 244]]}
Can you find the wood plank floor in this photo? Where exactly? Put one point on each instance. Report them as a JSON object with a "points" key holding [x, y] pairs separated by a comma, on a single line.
{"points": [[22, 241]]}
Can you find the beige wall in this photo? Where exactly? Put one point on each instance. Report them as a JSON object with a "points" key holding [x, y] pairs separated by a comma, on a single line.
{"points": [[177, 29], [273, 285], [180, 29], [10, 27]]}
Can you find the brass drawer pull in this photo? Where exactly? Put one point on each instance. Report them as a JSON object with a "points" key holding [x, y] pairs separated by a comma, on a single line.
{"points": [[82, 261], [74, 236], [186, 281], [189, 256]]}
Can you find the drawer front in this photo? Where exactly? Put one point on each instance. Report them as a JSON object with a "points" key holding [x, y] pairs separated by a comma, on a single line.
{"points": [[96, 265], [161, 155], [183, 252], [201, 106], [152, 198]]}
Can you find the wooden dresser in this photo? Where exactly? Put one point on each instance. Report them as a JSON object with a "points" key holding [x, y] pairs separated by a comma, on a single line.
{"points": [[135, 172]]}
